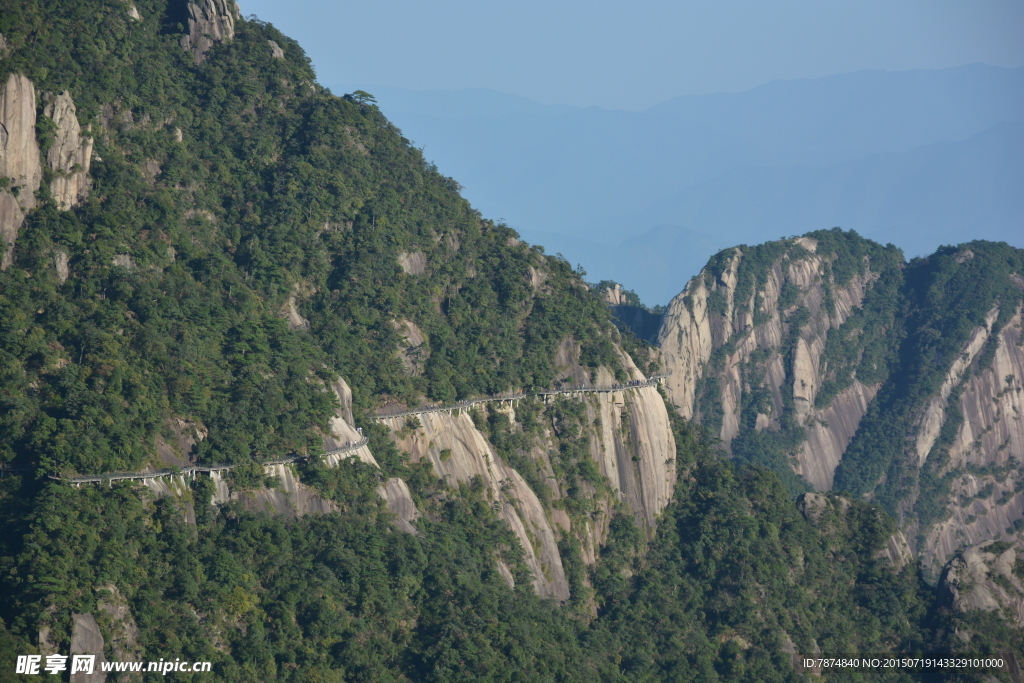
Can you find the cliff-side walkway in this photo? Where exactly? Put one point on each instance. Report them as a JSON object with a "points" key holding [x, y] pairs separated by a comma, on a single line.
{"points": [[516, 396], [190, 470]]}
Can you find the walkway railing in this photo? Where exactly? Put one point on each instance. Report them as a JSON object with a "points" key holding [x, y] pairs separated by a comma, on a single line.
{"points": [[192, 469], [515, 396], [353, 445]]}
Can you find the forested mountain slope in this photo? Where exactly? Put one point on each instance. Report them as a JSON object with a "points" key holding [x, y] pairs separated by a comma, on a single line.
{"points": [[838, 365], [210, 261]]}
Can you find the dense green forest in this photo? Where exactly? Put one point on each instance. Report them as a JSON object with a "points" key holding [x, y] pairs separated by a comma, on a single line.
{"points": [[734, 572], [248, 238]]}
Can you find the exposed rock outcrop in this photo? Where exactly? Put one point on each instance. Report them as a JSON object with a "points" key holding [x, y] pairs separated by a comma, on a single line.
{"points": [[535, 277], [60, 266], [630, 438], [87, 639], [635, 449], [739, 365], [413, 352], [993, 405], [813, 506], [394, 491], [291, 312], [983, 580], [119, 622], [614, 296], [986, 457], [124, 261], [289, 497], [897, 551], [934, 415], [20, 167], [830, 431], [70, 154], [209, 22], [686, 339], [759, 351], [413, 263], [458, 452]]}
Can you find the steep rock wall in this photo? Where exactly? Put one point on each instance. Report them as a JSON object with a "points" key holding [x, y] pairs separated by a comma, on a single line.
{"points": [[628, 434], [830, 431], [19, 158], [986, 457], [934, 415], [771, 357], [209, 22], [685, 343], [468, 454], [70, 154], [631, 442], [69, 157], [635, 449], [630, 438], [87, 639], [730, 349], [290, 497], [343, 431], [993, 405]]}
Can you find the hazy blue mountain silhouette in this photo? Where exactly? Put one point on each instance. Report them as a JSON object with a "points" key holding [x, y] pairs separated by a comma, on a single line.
{"points": [[944, 193], [858, 150]]}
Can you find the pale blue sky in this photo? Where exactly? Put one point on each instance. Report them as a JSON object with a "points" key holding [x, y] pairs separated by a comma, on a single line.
{"points": [[631, 55]]}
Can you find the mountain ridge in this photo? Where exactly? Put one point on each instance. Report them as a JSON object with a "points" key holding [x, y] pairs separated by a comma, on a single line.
{"points": [[832, 361]]}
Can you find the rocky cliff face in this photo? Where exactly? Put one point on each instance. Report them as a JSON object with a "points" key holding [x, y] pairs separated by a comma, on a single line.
{"points": [[744, 343], [987, 578], [70, 154], [209, 22], [86, 638], [985, 460], [782, 349], [626, 434], [20, 168], [829, 433], [21, 171], [458, 453], [343, 431]]}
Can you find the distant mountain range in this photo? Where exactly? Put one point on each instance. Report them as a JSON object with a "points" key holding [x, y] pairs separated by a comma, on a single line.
{"points": [[917, 158]]}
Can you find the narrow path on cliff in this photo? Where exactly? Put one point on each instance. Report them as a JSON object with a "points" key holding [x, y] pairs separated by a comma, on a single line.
{"points": [[351, 446], [192, 469], [515, 396]]}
